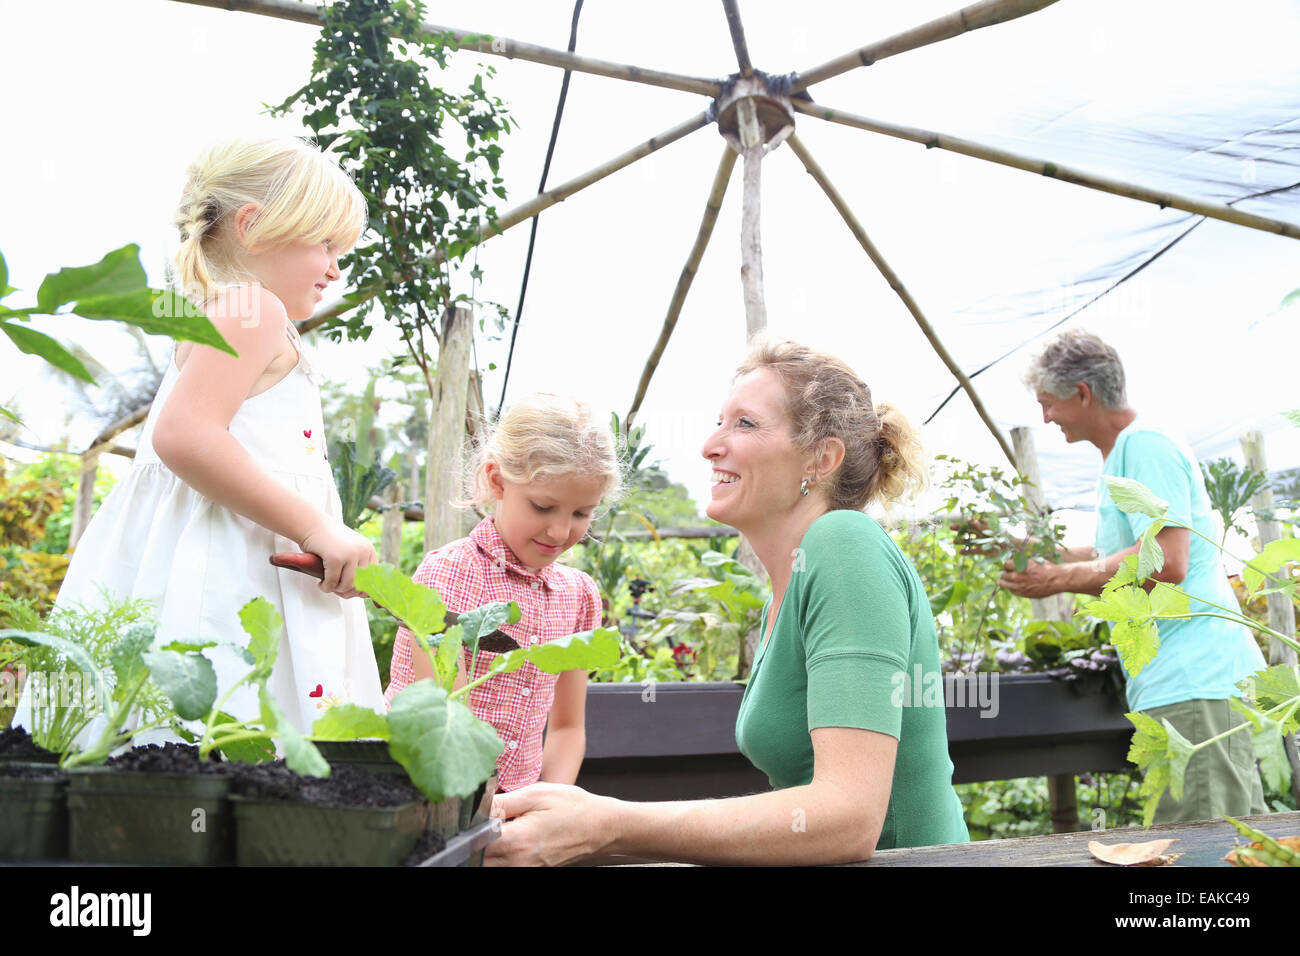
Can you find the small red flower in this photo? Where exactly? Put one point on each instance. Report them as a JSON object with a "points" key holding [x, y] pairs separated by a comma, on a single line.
{"points": [[306, 433], [319, 691]]}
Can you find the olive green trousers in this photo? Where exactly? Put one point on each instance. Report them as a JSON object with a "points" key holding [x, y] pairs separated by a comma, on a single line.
{"points": [[1223, 778]]}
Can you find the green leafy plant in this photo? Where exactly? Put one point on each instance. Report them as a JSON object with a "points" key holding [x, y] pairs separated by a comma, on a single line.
{"points": [[370, 101], [728, 609], [114, 288], [62, 658], [357, 481], [960, 553], [1230, 488], [1272, 703], [430, 730]]}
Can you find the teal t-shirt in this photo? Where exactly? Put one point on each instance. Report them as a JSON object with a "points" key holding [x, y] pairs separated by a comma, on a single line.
{"points": [[1202, 658], [853, 632]]}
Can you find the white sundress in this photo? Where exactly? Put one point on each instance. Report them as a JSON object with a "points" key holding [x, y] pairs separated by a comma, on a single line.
{"points": [[155, 537]]}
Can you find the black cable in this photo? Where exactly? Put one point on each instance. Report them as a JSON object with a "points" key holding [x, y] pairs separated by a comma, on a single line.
{"points": [[1124, 278], [541, 188]]}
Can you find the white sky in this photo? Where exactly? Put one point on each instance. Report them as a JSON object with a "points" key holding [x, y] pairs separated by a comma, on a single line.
{"points": [[107, 102]]}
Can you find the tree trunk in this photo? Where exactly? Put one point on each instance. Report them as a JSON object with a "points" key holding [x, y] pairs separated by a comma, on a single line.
{"points": [[84, 507], [390, 542], [447, 429]]}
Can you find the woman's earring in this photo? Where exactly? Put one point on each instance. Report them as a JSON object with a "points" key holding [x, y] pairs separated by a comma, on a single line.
{"points": [[803, 488]]}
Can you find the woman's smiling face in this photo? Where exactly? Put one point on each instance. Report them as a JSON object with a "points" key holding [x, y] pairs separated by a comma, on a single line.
{"points": [[757, 468]]}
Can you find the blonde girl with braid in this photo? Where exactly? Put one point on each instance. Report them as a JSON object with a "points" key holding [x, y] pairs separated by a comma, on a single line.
{"points": [[232, 464]]}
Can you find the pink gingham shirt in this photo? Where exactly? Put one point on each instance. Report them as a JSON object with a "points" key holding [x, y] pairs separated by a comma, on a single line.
{"points": [[555, 602]]}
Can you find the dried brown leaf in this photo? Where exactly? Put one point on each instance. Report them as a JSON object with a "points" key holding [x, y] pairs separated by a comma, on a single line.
{"points": [[1147, 853]]}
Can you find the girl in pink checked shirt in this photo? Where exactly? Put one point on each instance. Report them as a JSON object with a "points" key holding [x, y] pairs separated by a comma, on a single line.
{"points": [[541, 473]]}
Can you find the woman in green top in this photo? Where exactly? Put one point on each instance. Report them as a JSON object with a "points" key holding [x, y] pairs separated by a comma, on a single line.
{"points": [[829, 713]]}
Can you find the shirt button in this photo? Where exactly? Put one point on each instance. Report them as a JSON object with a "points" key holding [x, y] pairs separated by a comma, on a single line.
{"points": [[535, 585], [527, 692], [514, 745]]}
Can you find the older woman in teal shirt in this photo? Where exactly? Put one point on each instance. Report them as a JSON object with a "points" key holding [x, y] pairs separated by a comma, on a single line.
{"points": [[856, 761]]}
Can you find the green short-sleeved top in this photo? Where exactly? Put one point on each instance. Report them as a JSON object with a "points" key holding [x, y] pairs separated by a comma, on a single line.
{"points": [[850, 634]]}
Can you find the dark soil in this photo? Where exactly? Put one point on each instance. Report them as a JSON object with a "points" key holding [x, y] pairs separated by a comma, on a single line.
{"points": [[346, 786], [17, 742], [166, 758], [431, 843]]}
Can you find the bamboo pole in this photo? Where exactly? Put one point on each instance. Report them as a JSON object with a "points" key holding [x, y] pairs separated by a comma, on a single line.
{"points": [[897, 285], [531, 207], [1062, 789], [1281, 612], [934, 140], [751, 244], [711, 208], [976, 16], [309, 13], [737, 29]]}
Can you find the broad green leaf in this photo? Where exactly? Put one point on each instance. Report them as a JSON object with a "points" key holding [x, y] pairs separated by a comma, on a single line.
{"points": [[244, 751], [75, 653], [38, 343], [127, 658], [1266, 736], [1168, 600], [187, 679], [419, 607], [1274, 687], [1275, 555], [481, 621], [119, 271], [1149, 750], [300, 754], [1180, 752], [1137, 644], [4, 277], [350, 722], [448, 657], [1293, 416], [1151, 557], [263, 624], [156, 313], [940, 600], [1291, 298], [184, 647], [585, 650], [1133, 497], [446, 750]]}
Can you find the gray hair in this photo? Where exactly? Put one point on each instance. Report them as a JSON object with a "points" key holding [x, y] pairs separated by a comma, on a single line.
{"points": [[1076, 356]]}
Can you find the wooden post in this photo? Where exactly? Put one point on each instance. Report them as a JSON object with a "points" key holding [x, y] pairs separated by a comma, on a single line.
{"points": [[390, 541], [447, 429], [1281, 612], [83, 508], [1062, 793], [751, 245]]}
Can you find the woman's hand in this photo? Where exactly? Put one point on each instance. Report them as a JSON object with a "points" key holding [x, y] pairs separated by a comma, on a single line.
{"points": [[342, 551], [550, 824]]}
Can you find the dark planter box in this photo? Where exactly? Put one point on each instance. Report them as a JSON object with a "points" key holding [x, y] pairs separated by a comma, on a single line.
{"points": [[372, 756], [284, 833], [681, 744], [466, 848], [34, 815], [132, 817]]}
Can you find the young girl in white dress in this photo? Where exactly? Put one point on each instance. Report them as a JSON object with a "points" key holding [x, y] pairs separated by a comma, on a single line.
{"points": [[232, 465]]}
